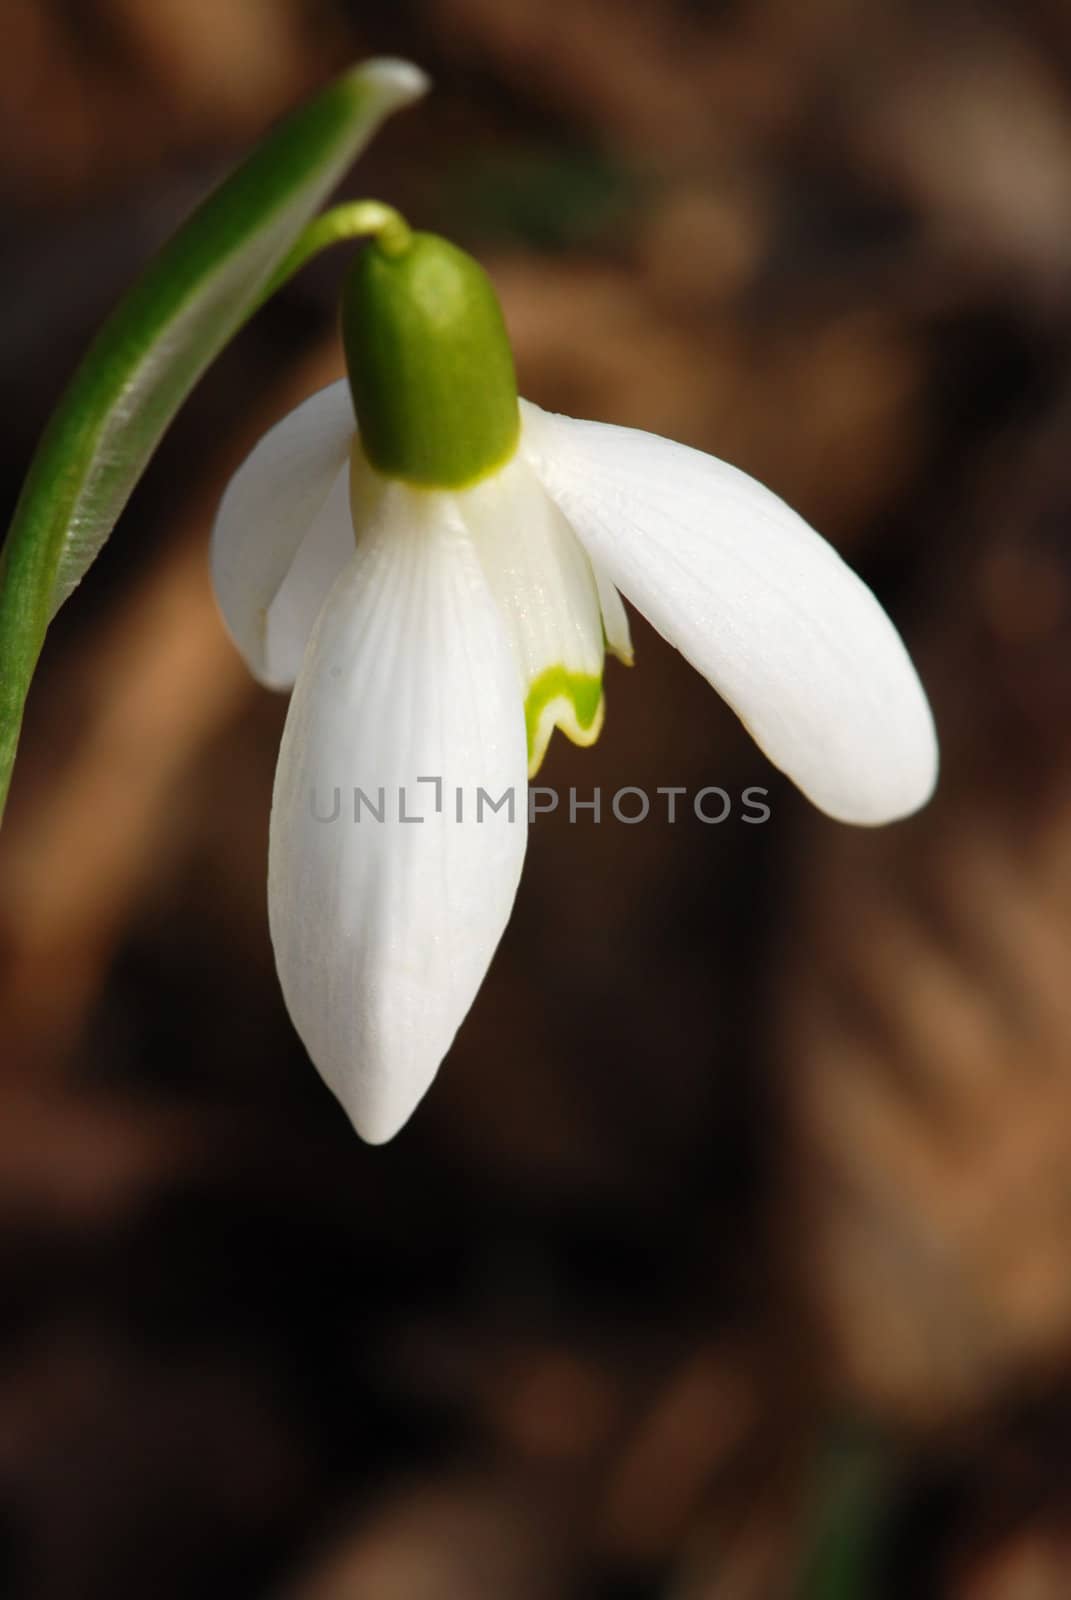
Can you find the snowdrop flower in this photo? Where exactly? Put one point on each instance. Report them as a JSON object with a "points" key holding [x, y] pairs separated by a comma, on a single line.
{"points": [[438, 569]]}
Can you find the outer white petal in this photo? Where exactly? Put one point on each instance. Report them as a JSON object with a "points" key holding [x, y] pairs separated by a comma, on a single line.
{"points": [[383, 930], [325, 552], [269, 506], [761, 605], [541, 577]]}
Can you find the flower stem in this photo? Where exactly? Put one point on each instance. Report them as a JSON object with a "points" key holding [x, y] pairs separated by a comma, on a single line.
{"points": [[353, 220]]}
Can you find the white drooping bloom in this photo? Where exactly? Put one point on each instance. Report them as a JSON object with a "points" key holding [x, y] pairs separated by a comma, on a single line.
{"points": [[435, 637]]}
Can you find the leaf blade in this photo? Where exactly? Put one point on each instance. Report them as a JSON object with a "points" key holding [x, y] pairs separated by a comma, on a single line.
{"points": [[170, 326]]}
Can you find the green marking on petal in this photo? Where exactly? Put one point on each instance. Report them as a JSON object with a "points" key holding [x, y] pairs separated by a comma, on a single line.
{"points": [[571, 701]]}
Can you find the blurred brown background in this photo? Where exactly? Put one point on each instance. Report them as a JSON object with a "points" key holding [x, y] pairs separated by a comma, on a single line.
{"points": [[752, 1130]]}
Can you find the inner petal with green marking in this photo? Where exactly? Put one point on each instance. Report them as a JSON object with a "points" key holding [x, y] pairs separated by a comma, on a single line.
{"points": [[556, 617], [548, 596], [435, 396], [565, 700]]}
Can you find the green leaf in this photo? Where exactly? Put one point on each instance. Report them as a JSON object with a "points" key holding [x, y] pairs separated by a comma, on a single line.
{"points": [[172, 324]]}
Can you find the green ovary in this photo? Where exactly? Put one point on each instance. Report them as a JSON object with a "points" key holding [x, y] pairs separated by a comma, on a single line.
{"points": [[571, 701], [429, 363]]}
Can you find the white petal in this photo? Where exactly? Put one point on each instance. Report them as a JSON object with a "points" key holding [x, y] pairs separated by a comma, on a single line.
{"points": [[614, 618], [269, 506], [543, 582], [383, 930], [326, 550], [759, 604]]}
